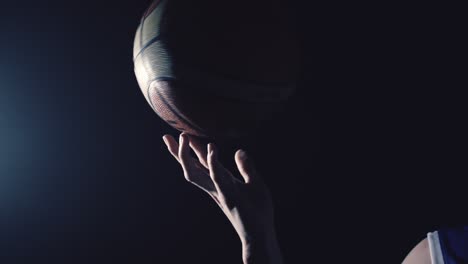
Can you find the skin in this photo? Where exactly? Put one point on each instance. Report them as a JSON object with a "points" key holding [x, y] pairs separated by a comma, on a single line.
{"points": [[246, 203], [419, 255]]}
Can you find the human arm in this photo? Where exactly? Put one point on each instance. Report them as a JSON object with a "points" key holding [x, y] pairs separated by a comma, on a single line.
{"points": [[419, 255], [246, 202]]}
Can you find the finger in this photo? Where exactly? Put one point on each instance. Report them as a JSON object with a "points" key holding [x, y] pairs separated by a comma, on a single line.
{"points": [[214, 172], [220, 176], [184, 156], [199, 150], [172, 146], [245, 166], [213, 163], [194, 172]]}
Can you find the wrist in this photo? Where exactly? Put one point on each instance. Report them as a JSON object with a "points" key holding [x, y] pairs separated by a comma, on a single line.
{"points": [[261, 249]]}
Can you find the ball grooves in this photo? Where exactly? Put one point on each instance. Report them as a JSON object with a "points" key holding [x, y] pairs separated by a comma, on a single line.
{"points": [[169, 107]]}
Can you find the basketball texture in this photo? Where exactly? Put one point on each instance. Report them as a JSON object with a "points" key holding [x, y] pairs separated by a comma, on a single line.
{"points": [[216, 68]]}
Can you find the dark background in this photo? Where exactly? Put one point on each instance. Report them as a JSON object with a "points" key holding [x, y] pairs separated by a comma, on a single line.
{"points": [[367, 159]]}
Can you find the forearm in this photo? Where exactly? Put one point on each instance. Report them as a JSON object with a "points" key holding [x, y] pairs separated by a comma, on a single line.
{"points": [[262, 251]]}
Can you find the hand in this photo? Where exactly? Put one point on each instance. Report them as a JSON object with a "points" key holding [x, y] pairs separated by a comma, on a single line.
{"points": [[247, 203]]}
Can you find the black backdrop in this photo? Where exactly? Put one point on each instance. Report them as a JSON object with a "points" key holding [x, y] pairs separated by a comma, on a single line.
{"points": [[362, 165]]}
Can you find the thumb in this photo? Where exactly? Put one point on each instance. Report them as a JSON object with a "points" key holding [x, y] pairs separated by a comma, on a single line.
{"points": [[246, 167]]}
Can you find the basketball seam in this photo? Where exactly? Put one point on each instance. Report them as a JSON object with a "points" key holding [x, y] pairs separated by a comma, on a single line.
{"points": [[141, 34], [148, 84], [154, 39], [174, 111], [185, 120], [237, 79], [225, 98], [151, 9], [147, 45], [213, 73]]}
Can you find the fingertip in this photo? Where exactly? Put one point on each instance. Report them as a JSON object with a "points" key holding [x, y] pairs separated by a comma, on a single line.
{"points": [[245, 166], [183, 153], [241, 154], [171, 145], [165, 140], [166, 137], [169, 141], [211, 149], [183, 138]]}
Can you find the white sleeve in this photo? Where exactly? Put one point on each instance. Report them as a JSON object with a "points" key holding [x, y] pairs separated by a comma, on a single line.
{"points": [[434, 248]]}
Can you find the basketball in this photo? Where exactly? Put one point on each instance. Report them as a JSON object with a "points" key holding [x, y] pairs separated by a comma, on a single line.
{"points": [[216, 69]]}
